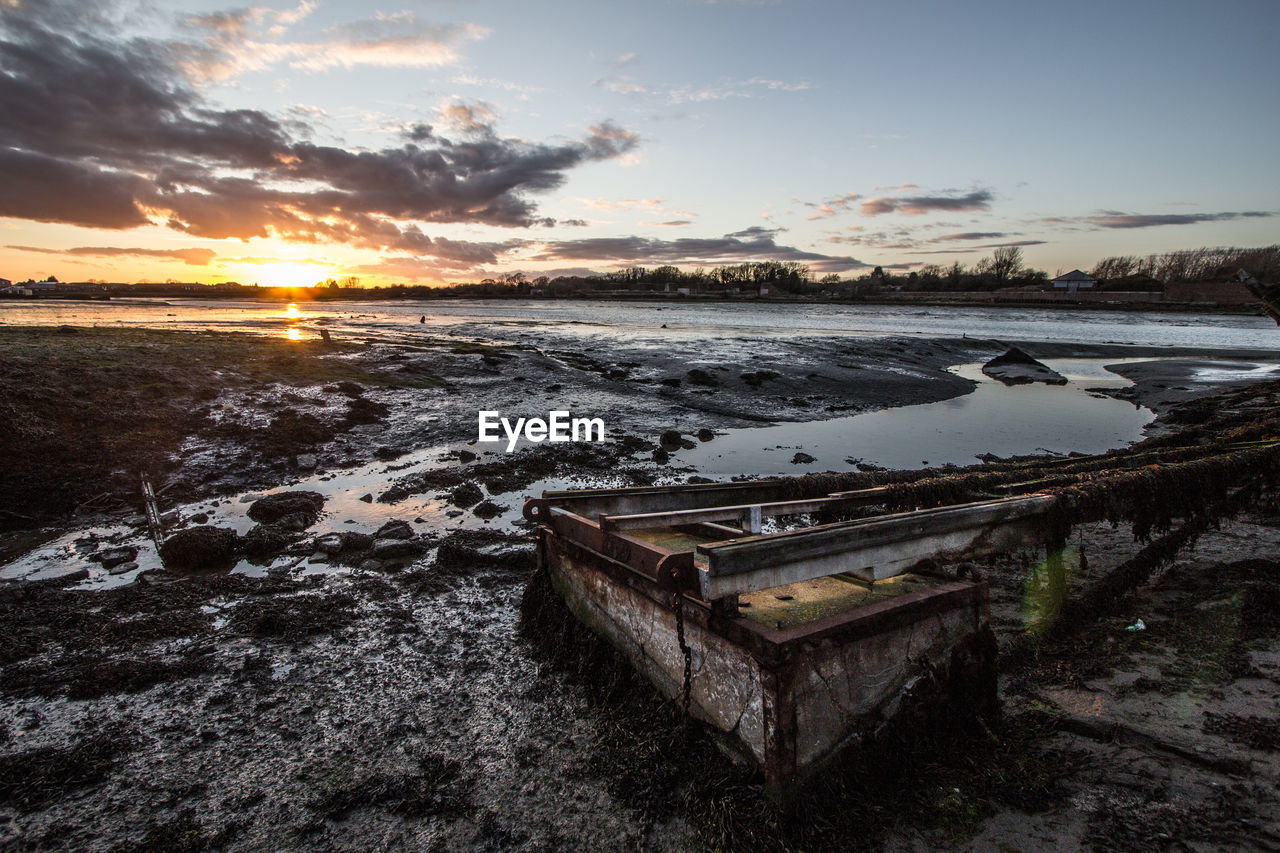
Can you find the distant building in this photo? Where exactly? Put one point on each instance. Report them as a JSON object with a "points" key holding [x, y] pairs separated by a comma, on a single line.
{"points": [[1075, 280], [4, 282], [38, 286]]}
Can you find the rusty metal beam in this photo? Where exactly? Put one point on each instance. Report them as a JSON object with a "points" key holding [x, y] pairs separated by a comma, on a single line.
{"points": [[873, 549], [670, 518]]}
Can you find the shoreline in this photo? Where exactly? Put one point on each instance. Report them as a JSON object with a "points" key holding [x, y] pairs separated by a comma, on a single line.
{"points": [[397, 698]]}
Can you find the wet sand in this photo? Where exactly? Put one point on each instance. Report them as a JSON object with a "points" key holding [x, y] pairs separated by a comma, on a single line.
{"points": [[401, 706]]}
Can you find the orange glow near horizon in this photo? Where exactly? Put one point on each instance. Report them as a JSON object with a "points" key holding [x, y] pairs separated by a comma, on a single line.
{"points": [[285, 273], [292, 312]]}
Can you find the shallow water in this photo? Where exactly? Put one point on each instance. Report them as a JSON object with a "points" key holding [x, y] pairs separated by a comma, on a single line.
{"points": [[634, 321], [995, 418]]}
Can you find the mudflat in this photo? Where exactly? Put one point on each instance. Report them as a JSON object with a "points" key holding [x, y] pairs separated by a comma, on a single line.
{"points": [[402, 697]]}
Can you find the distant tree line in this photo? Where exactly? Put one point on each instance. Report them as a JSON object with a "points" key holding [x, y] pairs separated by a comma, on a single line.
{"points": [[1190, 265]]}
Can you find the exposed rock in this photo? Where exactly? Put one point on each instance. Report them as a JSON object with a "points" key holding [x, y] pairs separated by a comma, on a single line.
{"points": [[1015, 367], [698, 376], [661, 456], [330, 543], [394, 529], [267, 541], [371, 565], [273, 508], [353, 542], [466, 495], [670, 440], [112, 557], [199, 518], [705, 434], [466, 456], [396, 549], [488, 509], [307, 461], [200, 548], [122, 569], [367, 498], [802, 458]]}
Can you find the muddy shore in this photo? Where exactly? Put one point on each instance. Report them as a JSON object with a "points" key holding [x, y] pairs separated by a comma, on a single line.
{"points": [[401, 705]]}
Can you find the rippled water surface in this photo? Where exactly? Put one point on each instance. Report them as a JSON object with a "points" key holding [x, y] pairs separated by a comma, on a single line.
{"points": [[629, 320]]}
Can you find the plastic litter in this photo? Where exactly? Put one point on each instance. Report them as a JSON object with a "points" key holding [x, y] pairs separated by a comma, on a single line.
{"points": [[1137, 626]]}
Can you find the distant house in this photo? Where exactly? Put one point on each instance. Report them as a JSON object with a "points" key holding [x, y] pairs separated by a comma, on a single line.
{"points": [[42, 285], [4, 282], [1075, 280]]}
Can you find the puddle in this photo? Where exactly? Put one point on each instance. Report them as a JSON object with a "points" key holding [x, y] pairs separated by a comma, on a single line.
{"points": [[995, 418]]}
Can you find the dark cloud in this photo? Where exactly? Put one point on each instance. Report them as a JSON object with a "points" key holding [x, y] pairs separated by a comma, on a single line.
{"points": [[193, 257], [971, 235], [100, 129], [1116, 219], [753, 244], [918, 205]]}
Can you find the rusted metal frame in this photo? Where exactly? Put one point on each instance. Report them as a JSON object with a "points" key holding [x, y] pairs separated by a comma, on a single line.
{"points": [[594, 502], [641, 521], [696, 610], [711, 530], [873, 548], [644, 557]]}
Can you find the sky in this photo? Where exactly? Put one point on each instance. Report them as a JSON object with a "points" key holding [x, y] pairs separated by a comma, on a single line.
{"points": [[427, 141]]}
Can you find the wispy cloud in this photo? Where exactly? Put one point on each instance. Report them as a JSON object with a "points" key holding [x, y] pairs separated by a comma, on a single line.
{"points": [[192, 257], [1117, 219], [832, 206], [918, 205], [721, 90], [253, 39], [751, 244]]}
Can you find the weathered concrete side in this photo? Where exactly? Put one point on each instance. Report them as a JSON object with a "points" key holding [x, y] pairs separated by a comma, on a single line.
{"points": [[725, 689], [839, 688], [792, 706]]}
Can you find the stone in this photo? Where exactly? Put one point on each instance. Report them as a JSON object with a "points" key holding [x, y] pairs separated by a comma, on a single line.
{"points": [[466, 495], [307, 461], [367, 498], [112, 557], [466, 456], [395, 549], [122, 568], [275, 507], [1016, 367], [394, 529], [487, 509], [330, 543], [802, 458], [200, 548], [670, 440], [705, 434], [268, 540]]}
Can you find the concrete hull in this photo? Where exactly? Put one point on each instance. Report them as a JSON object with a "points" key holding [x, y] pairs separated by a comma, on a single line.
{"points": [[788, 697]]}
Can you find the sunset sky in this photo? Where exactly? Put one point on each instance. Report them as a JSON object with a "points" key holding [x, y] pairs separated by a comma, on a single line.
{"points": [[449, 140]]}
